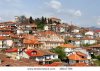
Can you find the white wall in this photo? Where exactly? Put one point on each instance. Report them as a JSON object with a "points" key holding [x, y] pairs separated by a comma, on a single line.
{"points": [[89, 33], [89, 41], [46, 27], [24, 55], [40, 59]]}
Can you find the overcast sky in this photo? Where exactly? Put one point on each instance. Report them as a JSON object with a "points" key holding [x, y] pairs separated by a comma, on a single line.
{"points": [[80, 12]]}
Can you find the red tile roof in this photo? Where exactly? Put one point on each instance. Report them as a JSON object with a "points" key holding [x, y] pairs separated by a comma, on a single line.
{"points": [[36, 52], [97, 31], [12, 50]]}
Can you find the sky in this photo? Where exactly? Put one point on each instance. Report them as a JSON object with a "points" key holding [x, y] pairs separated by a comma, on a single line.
{"points": [[79, 12]]}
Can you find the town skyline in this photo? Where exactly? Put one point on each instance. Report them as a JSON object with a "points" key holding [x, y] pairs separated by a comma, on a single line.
{"points": [[83, 13]]}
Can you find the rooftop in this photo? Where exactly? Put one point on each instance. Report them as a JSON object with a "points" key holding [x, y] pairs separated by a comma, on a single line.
{"points": [[76, 57], [68, 46]]}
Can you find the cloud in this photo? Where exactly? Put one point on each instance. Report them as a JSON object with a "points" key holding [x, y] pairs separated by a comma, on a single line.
{"points": [[74, 13], [78, 13], [55, 4]]}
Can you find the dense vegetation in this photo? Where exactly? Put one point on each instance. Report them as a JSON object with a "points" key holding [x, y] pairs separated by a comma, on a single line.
{"points": [[60, 52]]}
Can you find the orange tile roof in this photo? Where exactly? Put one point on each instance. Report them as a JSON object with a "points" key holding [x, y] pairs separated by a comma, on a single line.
{"points": [[76, 57], [80, 53], [2, 38], [80, 64], [28, 41], [68, 46], [47, 32]]}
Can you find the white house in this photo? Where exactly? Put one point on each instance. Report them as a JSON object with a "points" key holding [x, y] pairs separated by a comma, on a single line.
{"points": [[75, 31], [77, 57], [46, 27], [88, 41], [5, 42], [97, 33], [40, 56], [68, 48], [20, 31], [82, 41], [84, 51], [89, 34]]}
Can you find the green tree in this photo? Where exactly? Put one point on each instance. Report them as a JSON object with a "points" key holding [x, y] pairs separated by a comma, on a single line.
{"points": [[31, 20], [60, 52], [22, 19], [40, 23], [98, 57]]}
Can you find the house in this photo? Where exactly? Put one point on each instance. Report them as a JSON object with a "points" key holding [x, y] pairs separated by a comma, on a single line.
{"points": [[31, 42], [77, 58], [74, 41], [56, 27], [76, 30], [5, 42], [88, 40], [77, 35], [68, 48], [50, 39], [60, 28], [17, 40], [82, 41], [54, 19], [25, 28], [46, 27], [95, 49], [41, 56], [84, 51], [12, 53], [89, 34], [97, 33]]}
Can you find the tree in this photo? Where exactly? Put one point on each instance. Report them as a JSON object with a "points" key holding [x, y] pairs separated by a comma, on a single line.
{"points": [[98, 57], [49, 21], [60, 52], [31, 20], [40, 23], [22, 19], [43, 19]]}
